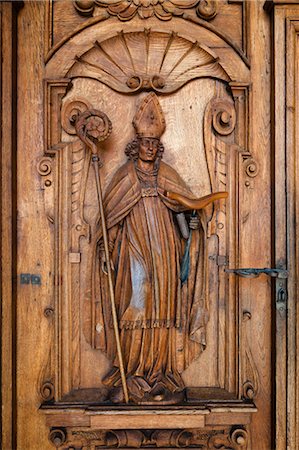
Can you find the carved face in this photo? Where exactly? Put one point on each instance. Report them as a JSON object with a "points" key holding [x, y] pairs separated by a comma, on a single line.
{"points": [[148, 149]]}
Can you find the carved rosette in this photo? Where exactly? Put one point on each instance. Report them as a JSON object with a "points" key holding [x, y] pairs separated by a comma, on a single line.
{"points": [[162, 9]]}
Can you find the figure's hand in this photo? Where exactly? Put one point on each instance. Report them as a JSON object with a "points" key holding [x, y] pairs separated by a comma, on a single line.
{"points": [[104, 262], [194, 223]]}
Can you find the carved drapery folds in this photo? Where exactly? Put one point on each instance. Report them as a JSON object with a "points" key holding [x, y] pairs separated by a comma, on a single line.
{"points": [[222, 148], [147, 60], [162, 9]]}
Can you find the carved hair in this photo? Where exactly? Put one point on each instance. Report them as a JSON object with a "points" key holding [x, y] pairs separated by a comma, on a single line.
{"points": [[132, 149]]}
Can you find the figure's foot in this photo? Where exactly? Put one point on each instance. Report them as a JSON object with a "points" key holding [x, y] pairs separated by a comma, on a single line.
{"points": [[159, 392], [162, 395], [117, 395]]}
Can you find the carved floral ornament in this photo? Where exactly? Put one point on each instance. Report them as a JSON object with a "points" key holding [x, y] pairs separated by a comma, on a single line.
{"points": [[162, 9]]}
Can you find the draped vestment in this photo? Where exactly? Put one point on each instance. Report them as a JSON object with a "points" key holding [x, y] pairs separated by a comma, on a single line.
{"points": [[162, 320]]}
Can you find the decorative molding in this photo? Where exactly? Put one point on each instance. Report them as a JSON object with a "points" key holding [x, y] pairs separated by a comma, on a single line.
{"points": [[47, 391], [55, 90], [45, 170], [79, 171], [219, 122], [69, 112], [63, 170], [249, 163], [219, 129], [233, 438], [237, 438], [162, 9], [147, 60], [44, 166], [223, 117], [207, 9], [48, 33], [250, 386], [57, 436]]}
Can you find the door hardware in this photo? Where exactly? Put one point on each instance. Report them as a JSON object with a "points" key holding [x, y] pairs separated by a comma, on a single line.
{"points": [[281, 296], [36, 279], [254, 273], [27, 278]]}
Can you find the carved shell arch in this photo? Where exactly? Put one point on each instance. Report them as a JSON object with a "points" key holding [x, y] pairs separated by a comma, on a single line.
{"points": [[156, 60], [233, 65]]}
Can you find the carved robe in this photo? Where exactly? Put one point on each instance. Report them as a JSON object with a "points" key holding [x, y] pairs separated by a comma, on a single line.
{"points": [[162, 320]]}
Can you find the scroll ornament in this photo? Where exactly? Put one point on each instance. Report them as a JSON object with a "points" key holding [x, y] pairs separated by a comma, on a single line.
{"points": [[162, 9], [234, 438]]}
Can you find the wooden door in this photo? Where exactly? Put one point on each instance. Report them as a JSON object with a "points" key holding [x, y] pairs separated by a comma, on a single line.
{"points": [[205, 66]]}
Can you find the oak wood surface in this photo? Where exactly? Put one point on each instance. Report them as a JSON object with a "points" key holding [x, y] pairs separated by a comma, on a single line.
{"points": [[7, 370], [206, 120], [286, 250]]}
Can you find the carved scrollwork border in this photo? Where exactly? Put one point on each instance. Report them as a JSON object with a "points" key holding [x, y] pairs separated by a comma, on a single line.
{"points": [[228, 438], [163, 10]]}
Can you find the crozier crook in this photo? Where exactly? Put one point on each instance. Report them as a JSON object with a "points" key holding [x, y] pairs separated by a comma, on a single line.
{"points": [[94, 126]]}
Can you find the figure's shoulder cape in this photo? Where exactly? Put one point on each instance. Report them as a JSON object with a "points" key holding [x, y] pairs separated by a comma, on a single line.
{"points": [[124, 191], [122, 194]]}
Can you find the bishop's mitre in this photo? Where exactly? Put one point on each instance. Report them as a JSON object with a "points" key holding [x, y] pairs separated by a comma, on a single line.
{"points": [[149, 119]]}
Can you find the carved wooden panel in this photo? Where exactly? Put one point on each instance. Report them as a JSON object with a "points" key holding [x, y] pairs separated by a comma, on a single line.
{"points": [[226, 439], [96, 79], [103, 62], [221, 153]]}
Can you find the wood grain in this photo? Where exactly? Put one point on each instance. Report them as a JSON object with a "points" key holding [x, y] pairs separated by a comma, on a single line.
{"points": [[217, 138], [7, 370], [34, 235], [256, 215]]}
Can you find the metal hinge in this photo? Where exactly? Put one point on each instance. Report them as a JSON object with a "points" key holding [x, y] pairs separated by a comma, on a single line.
{"points": [[254, 273]]}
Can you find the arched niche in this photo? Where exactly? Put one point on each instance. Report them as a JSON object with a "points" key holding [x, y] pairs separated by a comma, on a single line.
{"points": [[231, 64]]}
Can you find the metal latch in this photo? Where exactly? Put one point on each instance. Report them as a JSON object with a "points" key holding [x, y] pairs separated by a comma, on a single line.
{"points": [[281, 298], [254, 273]]}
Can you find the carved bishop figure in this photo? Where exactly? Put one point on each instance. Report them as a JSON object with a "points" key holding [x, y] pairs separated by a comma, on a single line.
{"points": [[158, 256]]}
